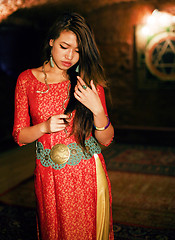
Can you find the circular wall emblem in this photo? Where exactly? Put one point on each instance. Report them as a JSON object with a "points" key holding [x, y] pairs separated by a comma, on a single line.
{"points": [[160, 56]]}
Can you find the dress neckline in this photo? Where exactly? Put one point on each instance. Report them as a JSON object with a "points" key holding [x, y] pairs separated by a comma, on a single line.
{"points": [[58, 83]]}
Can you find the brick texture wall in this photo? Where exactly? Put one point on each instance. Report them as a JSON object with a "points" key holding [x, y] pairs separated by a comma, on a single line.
{"points": [[113, 22]]}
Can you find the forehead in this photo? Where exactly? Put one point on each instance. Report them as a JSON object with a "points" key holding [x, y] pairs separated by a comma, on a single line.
{"points": [[69, 38]]}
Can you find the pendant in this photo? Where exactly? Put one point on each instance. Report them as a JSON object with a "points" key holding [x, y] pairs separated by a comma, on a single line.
{"points": [[60, 153]]}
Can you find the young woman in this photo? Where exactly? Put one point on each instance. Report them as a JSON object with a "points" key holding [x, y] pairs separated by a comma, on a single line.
{"points": [[65, 100]]}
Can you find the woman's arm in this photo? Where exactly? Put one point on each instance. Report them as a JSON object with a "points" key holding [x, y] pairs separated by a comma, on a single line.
{"points": [[90, 98], [103, 136], [23, 133], [53, 124]]}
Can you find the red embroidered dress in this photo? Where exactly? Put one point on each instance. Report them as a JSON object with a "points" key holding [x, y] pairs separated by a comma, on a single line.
{"points": [[66, 196]]}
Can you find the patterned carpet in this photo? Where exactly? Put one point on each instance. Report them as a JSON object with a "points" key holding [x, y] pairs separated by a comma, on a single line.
{"points": [[143, 196], [19, 223], [141, 159], [146, 200]]}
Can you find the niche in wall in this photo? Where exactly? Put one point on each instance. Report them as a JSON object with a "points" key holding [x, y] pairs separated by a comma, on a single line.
{"points": [[155, 52]]}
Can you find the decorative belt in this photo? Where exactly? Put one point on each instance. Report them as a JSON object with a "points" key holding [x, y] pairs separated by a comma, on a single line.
{"points": [[60, 154]]}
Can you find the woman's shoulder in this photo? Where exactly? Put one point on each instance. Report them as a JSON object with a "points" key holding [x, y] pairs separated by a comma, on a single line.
{"points": [[23, 77], [24, 73], [28, 75], [36, 72]]}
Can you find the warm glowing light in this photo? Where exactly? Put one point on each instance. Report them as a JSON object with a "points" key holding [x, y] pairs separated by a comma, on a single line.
{"points": [[7, 7], [145, 30], [165, 19], [152, 19], [173, 19], [159, 18], [155, 23]]}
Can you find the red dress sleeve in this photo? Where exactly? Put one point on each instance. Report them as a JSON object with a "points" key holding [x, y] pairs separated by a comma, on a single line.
{"points": [[21, 113], [101, 94]]}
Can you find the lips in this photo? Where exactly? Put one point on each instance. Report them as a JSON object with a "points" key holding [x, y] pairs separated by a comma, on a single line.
{"points": [[66, 64]]}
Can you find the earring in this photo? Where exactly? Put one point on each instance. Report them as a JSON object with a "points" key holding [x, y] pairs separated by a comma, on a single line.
{"points": [[77, 69], [51, 61]]}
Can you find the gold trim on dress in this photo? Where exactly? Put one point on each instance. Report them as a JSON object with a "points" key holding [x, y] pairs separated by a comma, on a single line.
{"points": [[103, 204]]}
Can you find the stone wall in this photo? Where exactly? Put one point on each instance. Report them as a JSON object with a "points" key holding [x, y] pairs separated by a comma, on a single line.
{"points": [[114, 29], [113, 22]]}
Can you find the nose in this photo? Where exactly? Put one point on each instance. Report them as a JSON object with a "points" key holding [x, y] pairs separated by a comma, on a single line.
{"points": [[69, 54]]}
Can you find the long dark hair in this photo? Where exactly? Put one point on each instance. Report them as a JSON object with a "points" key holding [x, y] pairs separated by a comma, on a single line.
{"points": [[90, 67]]}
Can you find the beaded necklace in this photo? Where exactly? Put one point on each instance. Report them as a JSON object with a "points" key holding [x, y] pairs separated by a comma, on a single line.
{"points": [[45, 80]]}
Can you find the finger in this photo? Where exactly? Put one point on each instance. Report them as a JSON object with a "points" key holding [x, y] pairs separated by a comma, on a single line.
{"points": [[80, 80], [77, 97], [64, 120], [82, 88], [58, 120], [62, 125], [68, 120], [76, 88], [78, 91], [79, 86], [58, 127], [61, 116], [61, 121], [81, 83], [93, 86]]}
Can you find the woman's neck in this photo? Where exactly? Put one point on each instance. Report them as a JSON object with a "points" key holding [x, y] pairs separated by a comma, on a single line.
{"points": [[55, 74]]}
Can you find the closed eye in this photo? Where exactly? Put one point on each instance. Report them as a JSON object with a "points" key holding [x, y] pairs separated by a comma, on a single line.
{"points": [[62, 47], [67, 48]]}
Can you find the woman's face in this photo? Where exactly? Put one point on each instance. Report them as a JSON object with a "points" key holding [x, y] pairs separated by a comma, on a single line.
{"points": [[65, 50]]}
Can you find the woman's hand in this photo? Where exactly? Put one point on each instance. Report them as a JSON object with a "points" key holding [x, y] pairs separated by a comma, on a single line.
{"points": [[53, 124], [88, 97], [56, 123]]}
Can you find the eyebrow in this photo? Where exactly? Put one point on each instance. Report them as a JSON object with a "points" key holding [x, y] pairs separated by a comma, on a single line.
{"points": [[66, 44]]}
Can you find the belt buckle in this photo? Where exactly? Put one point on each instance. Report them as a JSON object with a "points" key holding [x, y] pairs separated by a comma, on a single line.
{"points": [[60, 153]]}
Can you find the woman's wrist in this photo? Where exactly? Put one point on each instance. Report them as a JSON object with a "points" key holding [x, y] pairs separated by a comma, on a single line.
{"points": [[98, 112], [43, 127], [101, 120], [104, 127]]}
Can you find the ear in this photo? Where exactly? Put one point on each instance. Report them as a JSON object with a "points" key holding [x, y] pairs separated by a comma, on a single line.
{"points": [[51, 42]]}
